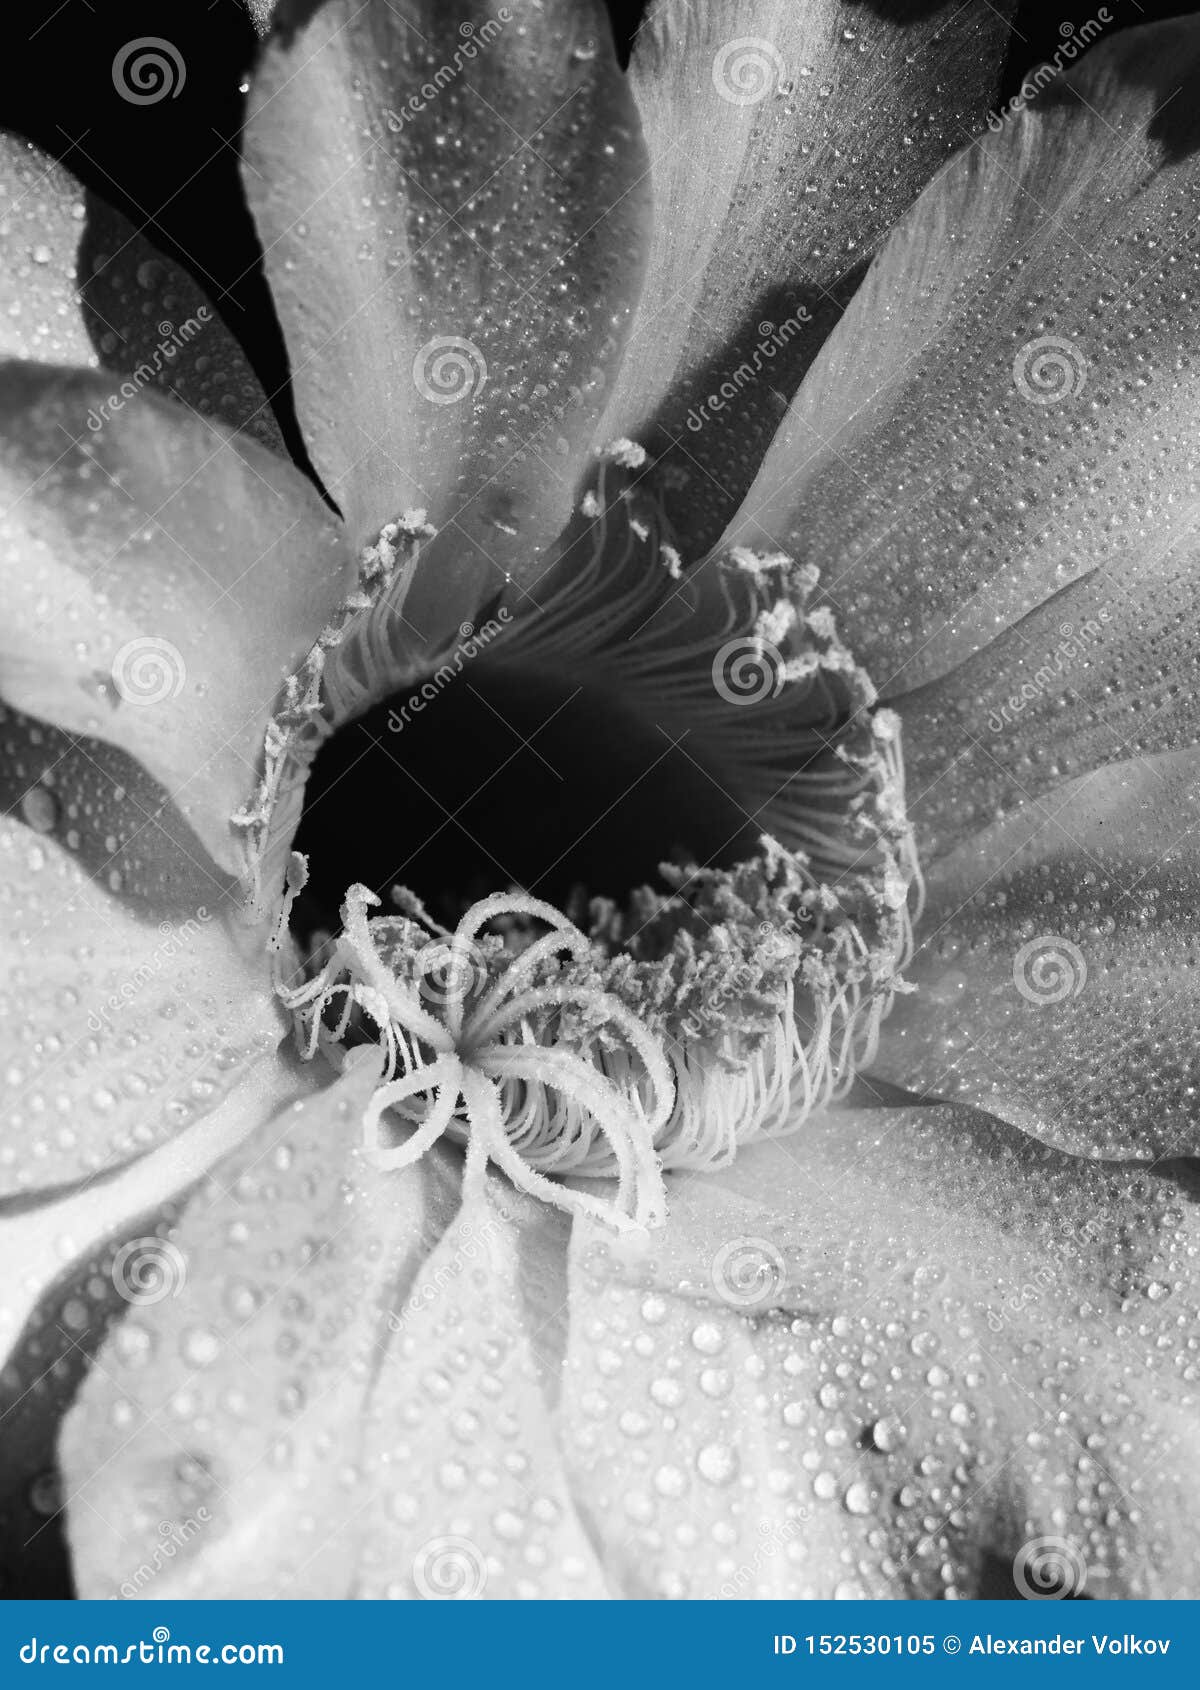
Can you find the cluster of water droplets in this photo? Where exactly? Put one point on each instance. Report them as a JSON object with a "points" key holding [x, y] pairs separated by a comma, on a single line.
{"points": [[799, 184], [41, 219], [1058, 982], [121, 1030], [507, 270], [900, 1420], [74, 267], [975, 1344]]}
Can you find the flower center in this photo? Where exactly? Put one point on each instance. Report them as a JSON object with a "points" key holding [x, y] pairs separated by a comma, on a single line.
{"points": [[616, 881], [496, 774]]}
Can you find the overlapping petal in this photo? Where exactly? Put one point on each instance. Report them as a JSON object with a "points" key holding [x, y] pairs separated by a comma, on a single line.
{"points": [[352, 1395], [80, 285], [1007, 407], [1057, 967], [785, 140], [133, 1002], [41, 219], [73, 1265], [45, 1362], [161, 577], [883, 1358], [1016, 379], [1105, 670], [451, 206], [155, 326]]}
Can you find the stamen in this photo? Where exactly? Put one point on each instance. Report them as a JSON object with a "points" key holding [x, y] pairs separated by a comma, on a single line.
{"points": [[692, 1019], [358, 659]]}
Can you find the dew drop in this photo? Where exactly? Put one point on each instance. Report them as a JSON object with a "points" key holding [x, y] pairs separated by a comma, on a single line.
{"points": [[887, 1434], [859, 1498], [708, 1338], [39, 809], [45, 1494], [717, 1463], [200, 1346]]}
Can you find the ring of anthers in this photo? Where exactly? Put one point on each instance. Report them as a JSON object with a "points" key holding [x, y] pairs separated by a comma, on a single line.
{"points": [[687, 1023]]}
